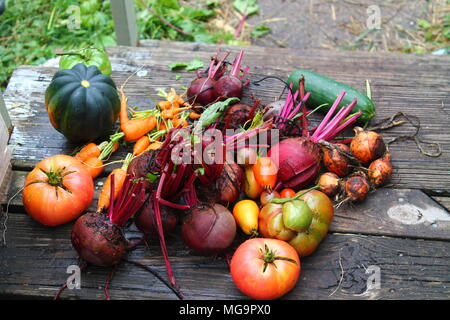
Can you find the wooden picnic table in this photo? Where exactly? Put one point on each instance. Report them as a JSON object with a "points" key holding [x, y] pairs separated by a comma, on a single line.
{"points": [[402, 230]]}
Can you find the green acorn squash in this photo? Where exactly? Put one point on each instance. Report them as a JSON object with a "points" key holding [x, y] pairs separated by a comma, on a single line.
{"points": [[82, 103]]}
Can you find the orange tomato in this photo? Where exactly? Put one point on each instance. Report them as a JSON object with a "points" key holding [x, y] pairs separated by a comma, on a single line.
{"points": [[265, 171], [265, 269], [57, 190], [287, 193]]}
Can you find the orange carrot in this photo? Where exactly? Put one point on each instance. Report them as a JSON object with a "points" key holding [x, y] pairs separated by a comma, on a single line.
{"points": [[179, 122], [119, 178], [194, 115], [134, 128], [115, 147], [165, 104], [88, 151], [141, 145], [94, 165], [154, 146]]}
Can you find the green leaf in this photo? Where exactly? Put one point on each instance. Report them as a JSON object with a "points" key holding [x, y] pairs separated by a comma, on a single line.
{"points": [[246, 7], [424, 24], [195, 64], [260, 31], [201, 171], [177, 77], [257, 120], [173, 4], [214, 111], [177, 65], [152, 177]]}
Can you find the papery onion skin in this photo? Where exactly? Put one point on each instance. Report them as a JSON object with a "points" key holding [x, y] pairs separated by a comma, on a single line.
{"points": [[336, 162], [380, 171], [367, 146], [329, 183], [357, 187]]}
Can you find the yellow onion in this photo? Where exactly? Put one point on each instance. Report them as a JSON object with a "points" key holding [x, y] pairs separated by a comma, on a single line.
{"points": [[357, 187], [329, 183], [367, 146], [336, 162], [380, 170]]}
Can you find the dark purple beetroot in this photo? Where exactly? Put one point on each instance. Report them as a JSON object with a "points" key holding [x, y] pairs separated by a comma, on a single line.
{"points": [[201, 92], [146, 223], [139, 168], [97, 240], [209, 229]]}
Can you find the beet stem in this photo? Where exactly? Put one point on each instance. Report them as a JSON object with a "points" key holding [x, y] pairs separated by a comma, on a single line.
{"points": [[347, 123], [237, 65], [297, 108], [336, 121], [162, 241], [329, 114], [111, 198]]}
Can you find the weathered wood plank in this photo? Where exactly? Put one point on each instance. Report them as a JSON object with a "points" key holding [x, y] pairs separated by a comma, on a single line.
{"points": [[4, 116], [395, 87], [36, 258], [443, 201], [125, 26], [386, 212], [5, 151]]}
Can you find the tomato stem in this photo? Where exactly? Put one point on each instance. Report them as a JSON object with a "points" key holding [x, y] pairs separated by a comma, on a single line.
{"points": [[269, 256], [297, 196]]}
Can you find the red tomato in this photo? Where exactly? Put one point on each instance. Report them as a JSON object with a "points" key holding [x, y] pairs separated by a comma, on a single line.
{"points": [[265, 171], [265, 269], [287, 193], [57, 190]]}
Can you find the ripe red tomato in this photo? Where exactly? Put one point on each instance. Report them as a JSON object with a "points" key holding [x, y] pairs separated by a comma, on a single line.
{"points": [[57, 190], [287, 193], [265, 269], [265, 171]]}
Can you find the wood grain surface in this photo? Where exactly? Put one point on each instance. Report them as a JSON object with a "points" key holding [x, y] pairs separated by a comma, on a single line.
{"points": [[400, 230]]}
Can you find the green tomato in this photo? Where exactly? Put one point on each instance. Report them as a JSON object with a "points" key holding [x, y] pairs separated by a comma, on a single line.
{"points": [[89, 57], [297, 215]]}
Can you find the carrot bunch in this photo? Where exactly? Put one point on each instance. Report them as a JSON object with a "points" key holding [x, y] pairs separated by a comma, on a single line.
{"points": [[92, 155], [171, 114]]}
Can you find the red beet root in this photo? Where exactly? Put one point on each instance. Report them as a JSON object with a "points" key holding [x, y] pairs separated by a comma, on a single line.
{"points": [[98, 237], [98, 241], [201, 91], [209, 229], [146, 222]]}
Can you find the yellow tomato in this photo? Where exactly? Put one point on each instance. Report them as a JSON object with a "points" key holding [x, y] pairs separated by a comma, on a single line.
{"points": [[251, 187], [246, 213]]}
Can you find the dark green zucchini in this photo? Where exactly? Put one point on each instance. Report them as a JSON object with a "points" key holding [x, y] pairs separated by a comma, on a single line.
{"points": [[325, 90]]}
